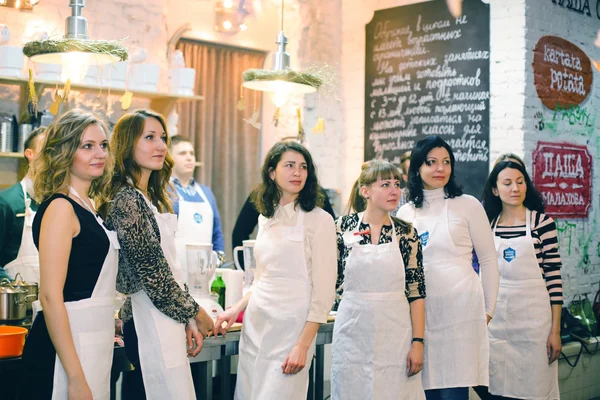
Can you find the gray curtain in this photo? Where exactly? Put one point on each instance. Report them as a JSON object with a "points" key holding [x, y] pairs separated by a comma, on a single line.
{"points": [[227, 146]]}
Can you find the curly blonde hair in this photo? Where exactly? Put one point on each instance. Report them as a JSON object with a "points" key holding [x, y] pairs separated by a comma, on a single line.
{"points": [[52, 167], [126, 133]]}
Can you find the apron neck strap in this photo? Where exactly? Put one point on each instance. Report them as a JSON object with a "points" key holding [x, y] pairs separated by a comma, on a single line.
{"points": [[527, 222], [394, 234], [86, 205]]}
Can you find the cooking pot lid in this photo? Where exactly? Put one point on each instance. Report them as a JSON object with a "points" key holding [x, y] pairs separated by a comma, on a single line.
{"points": [[21, 282], [10, 289]]}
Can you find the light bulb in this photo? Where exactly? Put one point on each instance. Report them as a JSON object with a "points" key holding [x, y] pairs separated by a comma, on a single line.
{"points": [[228, 4], [74, 66], [227, 24], [279, 93]]}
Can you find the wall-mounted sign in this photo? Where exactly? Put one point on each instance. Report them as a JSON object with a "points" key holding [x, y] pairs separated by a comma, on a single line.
{"points": [[562, 173], [428, 73], [562, 72]]}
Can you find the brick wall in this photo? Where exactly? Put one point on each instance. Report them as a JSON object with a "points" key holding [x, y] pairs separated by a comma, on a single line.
{"points": [[579, 238]]}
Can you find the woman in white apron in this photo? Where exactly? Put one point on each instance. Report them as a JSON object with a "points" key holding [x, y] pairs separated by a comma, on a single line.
{"points": [[459, 303], [525, 332], [158, 314], [294, 285], [69, 350], [378, 336]]}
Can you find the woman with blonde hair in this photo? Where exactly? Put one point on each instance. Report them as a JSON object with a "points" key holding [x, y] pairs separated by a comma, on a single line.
{"points": [[380, 268], [139, 210], [68, 353]]}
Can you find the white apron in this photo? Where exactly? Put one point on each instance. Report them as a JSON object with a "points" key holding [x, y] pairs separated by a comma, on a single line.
{"points": [[372, 334], [194, 225], [161, 340], [456, 343], [276, 316], [521, 324], [28, 260], [93, 326]]}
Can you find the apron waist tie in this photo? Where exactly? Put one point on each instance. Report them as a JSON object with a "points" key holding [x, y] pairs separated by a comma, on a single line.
{"points": [[374, 295]]}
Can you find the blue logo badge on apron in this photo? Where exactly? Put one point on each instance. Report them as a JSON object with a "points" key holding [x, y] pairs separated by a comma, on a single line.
{"points": [[424, 238], [510, 254], [198, 218]]}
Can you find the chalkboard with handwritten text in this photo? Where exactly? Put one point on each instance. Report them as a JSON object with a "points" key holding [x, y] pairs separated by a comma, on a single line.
{"points": [[427, 73]]}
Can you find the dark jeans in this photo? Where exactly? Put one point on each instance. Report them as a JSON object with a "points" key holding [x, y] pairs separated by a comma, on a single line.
{"points": [[482, 392], [132, 387], [447, 394]]}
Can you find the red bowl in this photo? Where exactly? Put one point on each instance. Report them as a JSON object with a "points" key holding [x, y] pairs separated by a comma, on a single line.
{"points": [[12, 340]]}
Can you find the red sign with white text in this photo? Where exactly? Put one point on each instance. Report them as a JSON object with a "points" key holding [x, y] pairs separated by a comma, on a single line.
{"points": [[562, 173]]}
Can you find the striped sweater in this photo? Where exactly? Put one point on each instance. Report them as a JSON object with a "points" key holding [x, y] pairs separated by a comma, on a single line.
{"points": [[545, 243]]}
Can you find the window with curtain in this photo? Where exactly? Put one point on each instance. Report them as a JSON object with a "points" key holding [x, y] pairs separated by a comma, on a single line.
{"points": [[227, 146]]}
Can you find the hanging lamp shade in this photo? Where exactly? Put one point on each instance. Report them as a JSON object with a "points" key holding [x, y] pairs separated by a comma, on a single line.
{"points": [[75, 47], [281, 77]]}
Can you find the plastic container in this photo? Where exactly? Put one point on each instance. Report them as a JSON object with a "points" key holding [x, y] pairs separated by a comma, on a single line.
{"points": [[12, 341]]}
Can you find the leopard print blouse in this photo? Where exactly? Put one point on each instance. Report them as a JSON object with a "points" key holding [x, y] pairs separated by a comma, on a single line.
{"points": [[142, 264]]}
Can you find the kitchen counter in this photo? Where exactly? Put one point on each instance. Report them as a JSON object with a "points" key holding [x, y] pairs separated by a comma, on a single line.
{"points": [[218, 349]]}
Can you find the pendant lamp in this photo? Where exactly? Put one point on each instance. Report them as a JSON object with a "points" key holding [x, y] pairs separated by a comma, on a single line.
{"points": [[75, 52], [281, 82]]}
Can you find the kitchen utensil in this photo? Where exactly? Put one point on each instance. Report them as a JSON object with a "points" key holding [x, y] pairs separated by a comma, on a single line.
{"points": [[12, 340], [6, 135], [13, 302], [202, 262], [24, 131], [249, 261], [31, 287]]}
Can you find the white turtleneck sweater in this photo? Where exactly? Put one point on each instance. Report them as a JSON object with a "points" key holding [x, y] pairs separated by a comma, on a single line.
{"points": [[470, 229]]}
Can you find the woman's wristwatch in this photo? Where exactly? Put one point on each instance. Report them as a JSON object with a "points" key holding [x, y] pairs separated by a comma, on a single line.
{"points": [[418, 339]]}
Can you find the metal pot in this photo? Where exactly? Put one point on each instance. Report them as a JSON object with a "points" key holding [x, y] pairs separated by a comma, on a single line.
{"points": [[32, 289], [13, 303]]}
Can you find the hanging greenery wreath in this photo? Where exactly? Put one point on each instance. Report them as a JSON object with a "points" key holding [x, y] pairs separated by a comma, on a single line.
{"points": [[102, 47]]}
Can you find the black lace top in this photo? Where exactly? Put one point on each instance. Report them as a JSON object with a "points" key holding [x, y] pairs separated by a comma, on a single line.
{"points": [[410, 247]]}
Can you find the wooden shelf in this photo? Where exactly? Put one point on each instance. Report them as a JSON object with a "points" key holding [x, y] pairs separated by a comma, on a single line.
{"points": [[12, 155], [105, 90]]}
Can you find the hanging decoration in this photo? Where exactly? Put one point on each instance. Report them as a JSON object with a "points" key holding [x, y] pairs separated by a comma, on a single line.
{"points": [[241, 104], [126, 100], [75, 51], [276, 117], [32, 104], [60, 98], [319, 127], [300, 128], [281, 82], [254, 120]]}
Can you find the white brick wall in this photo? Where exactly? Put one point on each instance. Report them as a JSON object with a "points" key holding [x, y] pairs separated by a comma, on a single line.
{"points": [[579, 238]]}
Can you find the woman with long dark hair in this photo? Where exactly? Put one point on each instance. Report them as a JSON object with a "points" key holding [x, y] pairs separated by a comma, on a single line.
{"points": [[158, 313], [459, 303], [380, 265], [525, 332], [294, 285]]}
